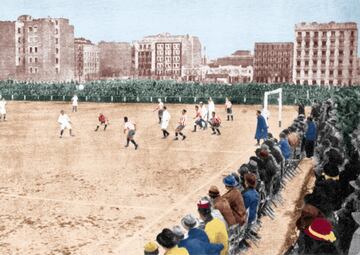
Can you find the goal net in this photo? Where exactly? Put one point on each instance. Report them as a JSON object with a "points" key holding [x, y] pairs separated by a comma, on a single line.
{"points": [[277, 92]]}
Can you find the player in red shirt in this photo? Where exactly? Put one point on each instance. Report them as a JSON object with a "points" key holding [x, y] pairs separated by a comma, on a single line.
{"points": [[102, 121], [215, 122]]}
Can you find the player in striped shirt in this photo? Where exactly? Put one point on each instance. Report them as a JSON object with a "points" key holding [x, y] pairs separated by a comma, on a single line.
{"points": [[215, 122], [198, 119], [228, 107], [160, 109], [102, 121], [130, 128], [182, 124]]}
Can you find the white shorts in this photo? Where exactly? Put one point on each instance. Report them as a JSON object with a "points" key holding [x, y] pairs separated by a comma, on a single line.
{"points": [[65, 125], [2, 111], [164, 124]]}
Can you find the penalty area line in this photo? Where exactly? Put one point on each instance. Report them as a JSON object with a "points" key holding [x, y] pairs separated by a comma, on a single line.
{"points": [[77, 202]]}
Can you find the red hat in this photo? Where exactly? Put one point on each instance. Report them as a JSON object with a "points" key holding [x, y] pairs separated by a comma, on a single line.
{"points": [[321, 230], [204, 204], [264, 154]]}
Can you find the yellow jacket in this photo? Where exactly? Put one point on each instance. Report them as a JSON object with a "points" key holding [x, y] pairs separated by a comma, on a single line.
{"points": [[177, 251], [217, 233]]}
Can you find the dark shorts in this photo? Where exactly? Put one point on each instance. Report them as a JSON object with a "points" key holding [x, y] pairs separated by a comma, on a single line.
{"points": [[229, 110], [131, 134], [179, 128], [160, 112]]}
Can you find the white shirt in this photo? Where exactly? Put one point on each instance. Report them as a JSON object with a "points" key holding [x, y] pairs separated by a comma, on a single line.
{"points": [[266, 115], [166, 116], [129, 125], [63, 119], [2, 105], [211, 107], [74, 100], [203, 112], [228, 104]]}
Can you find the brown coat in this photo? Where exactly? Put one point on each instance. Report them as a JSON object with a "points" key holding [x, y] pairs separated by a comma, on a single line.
{"points": [[235, 199], [293, 140], [223, 206]]}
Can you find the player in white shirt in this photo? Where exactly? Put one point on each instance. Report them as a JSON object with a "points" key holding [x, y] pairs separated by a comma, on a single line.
{"points": [[204, 113], [130, 128], [64, 122], [181, 126], [165, 122], [74, 100], [160, 109], [266, 115], [228, 108], [198, 120], [211, 108], [3, 109]]}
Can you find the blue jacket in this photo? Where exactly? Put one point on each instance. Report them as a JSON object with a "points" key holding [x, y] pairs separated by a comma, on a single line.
{"points": [[198, 243], [285, 148], [310, 134], [261, 128], [251, 201]]}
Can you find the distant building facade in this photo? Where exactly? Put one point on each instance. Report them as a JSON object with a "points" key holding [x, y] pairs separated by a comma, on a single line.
{"points": [[325, 54], [87, 60], [242, 58], [115, 59], [44, 49], [229, 74], [273, 62], [358, 72], [164, 56]]}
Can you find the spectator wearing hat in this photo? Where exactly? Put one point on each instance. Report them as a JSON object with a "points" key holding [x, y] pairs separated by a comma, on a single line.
{"points": [[151, 248], [220, 203], [261, 128], [197, 241], [214, 212], [235, 199], [355, 242], [271, 170], [285, 146], [310, 137], [251, 196], [309, 211], [318, 238], [214, 228], [350, 173], [179, 233], [167, 240]]}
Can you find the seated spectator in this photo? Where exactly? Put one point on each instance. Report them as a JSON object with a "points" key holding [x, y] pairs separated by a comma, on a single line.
{"points": [[214, 228], [350, 173], [151, 248], [197, 241], [309, 211], [355, 242], [222, 205], [271, 170], [179, 234], [235, 200], [318, 238], [167, 240], [251, 196], [285, 146]]}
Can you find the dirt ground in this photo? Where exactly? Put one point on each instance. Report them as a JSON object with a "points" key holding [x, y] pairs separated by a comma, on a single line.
{"points": [[89, 195]]}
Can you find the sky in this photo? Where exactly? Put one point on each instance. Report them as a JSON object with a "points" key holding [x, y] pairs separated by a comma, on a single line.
{"points": [[223, 26]]}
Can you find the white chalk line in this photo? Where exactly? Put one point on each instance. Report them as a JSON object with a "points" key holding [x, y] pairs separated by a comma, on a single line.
{"points": [[200, 150], [181, 202], [78, 202]]}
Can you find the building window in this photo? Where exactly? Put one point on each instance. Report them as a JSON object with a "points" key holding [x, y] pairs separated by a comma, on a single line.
{"points": [[339, 72], [299, 33], [36, 60], [19, 30], [323, 62], [351, 53], [314, 62], [316, 34], [56, 31], [30, 49], [298, 63], [35, 49], [35, 29], [56, 22], [324, 34], [313, 82], [331, 82], [323, 53], [322, 82], [57, 70], [341, 33], [31, 70], [30, 60], [35, 70], [57, 61], [339, 82], [322, 71], [30, 29], [306, 63], [331, 53], [57, 50], [323, 43], [341, 52], [306, 72], [331, 72], [332, 33], [298, 82], [57, 40], [19, 40]]}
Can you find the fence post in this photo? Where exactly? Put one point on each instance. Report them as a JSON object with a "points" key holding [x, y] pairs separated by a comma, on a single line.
{"points": [[24, 97], [12, 97], [112, 99], [165, 99], [194, 99], [179, 99], [63, 98], [244, 99], [124, 99], [150, 99], [137, 99], [86, 98], [51, 98]]}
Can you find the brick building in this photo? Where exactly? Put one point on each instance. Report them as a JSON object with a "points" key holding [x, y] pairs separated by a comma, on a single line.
{"points": [[87, 60], [115, 59], [37, 49], [164, 56], [242, 58], [273, 62], [325, 54]]}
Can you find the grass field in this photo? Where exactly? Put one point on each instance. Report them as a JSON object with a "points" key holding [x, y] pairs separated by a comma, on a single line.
{"points": [[89, 195]]}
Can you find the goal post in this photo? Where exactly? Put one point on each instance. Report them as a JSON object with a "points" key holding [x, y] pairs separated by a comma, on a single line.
{"points": [[266, 99]]}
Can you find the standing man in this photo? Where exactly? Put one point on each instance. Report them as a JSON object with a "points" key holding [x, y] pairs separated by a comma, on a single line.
{"points": [[74, 100], [215, 122], [310, 137], [102, 121], [203, 114], [301, 109], [130, 128], [228, 108], [165, 122], [261, 128], [198, 121], [160, 109], [64, 122], [3, 109], [181, 126], [211, 108]]}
